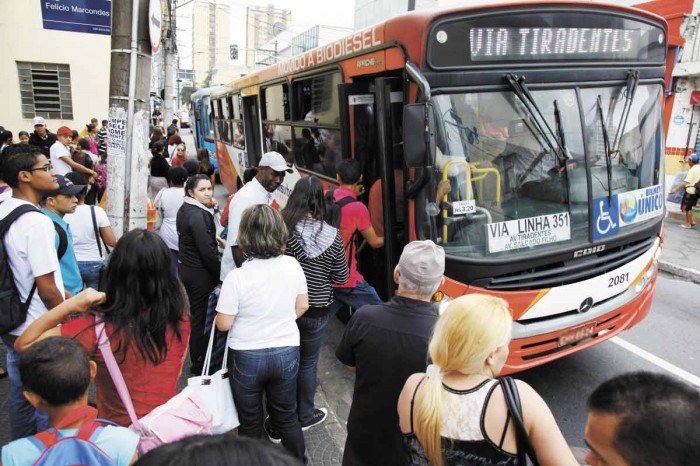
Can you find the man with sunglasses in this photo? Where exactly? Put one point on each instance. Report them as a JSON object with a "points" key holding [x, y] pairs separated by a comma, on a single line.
{"points": [[29, 245]]}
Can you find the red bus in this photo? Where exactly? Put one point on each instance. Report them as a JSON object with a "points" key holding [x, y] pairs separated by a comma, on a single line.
{"points": [[544, 118]]}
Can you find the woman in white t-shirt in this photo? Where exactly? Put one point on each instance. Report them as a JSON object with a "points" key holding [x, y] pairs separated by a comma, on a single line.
{"points": [[88, 251], [167, 203], [259, 303]]}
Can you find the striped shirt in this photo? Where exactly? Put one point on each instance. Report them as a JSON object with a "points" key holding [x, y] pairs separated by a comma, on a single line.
{"points": [[101, 144], [319, 250]]}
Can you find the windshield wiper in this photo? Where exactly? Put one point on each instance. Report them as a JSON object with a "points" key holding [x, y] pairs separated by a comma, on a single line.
{"points": [[606, 147], [517, 83], [565, 149], [630, 91]]}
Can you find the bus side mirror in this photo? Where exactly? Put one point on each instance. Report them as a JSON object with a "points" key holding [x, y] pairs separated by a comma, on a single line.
{"points": [[418, 135]]}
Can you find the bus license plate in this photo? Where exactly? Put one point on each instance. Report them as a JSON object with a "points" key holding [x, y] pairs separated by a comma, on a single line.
{"points": [[577, 334]]}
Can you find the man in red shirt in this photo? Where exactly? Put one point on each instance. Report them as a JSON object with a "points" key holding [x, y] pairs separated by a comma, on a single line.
{"points": [[356, 292]]}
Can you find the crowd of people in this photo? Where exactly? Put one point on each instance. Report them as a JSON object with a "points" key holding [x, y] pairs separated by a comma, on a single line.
{"points": [[427, 387]]}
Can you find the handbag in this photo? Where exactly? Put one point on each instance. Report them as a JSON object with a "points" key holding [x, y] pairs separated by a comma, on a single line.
{"points": [[99, 246], [525, 448], [182, 416], [215, 390]]}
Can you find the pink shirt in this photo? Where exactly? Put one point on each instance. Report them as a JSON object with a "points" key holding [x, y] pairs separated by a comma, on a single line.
{"points": [[354, 216]]}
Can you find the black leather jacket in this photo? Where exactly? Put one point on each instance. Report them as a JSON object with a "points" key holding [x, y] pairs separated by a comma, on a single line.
{"points": [[197, 232]]}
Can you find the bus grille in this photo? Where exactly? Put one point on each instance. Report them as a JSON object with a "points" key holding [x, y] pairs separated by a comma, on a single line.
{"points": [[564, 273]]}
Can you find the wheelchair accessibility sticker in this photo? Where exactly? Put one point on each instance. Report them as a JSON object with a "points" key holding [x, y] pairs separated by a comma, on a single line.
{"points": [[605, 217]]}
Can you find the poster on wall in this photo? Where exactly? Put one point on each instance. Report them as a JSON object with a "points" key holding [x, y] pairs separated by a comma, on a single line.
{"points": [[91, 16]]}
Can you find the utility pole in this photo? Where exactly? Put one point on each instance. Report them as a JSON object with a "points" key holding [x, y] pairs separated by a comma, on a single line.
{"points": [[169, 61], [129, 112]]}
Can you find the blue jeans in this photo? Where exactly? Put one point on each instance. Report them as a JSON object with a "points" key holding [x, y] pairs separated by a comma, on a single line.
{"points": [[311, 331], [90, 273], [362, 294], [25, 420], [272, 371]]}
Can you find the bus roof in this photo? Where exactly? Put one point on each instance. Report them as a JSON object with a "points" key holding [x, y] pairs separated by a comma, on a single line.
{"points": [[399, 30], [206, 91]]}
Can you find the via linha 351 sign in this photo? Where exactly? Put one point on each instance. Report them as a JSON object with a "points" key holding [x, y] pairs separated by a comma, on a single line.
{"points": [[91, 16]]}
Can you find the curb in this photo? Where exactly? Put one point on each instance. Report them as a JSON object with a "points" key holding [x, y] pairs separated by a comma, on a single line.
{"points": [[680, 271]]}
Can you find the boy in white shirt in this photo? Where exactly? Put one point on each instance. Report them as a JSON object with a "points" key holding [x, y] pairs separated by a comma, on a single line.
{"points": [[31, 253]]}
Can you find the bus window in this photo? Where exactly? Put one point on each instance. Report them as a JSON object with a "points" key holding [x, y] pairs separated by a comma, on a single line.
{"points": [[317, 149], [278, 138], [276, 103], [316, 99], [238, 135]]}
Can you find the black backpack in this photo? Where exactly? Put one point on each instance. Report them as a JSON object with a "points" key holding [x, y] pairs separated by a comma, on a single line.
{"points": [[13, 312]]}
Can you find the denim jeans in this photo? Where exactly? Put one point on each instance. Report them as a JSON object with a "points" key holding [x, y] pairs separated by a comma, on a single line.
{"points": [[24, 419], [362, 294], [272, 371], [90, 273], [311, 331]]}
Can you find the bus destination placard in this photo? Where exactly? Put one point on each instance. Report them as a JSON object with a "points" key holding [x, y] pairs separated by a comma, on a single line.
{"points": [[544, 37], [528, 232]]}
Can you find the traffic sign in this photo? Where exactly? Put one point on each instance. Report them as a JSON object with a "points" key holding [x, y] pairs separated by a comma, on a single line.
{"points": [[155, 23]]}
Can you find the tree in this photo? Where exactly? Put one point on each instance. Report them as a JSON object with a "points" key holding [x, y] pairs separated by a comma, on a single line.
{"points": [[185, 94]]}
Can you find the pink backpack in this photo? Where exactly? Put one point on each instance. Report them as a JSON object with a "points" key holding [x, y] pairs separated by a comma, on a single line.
{"points": [[182, 416]]}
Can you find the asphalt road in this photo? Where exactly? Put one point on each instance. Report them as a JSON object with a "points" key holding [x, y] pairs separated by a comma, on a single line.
{"points": [[669, 332]]}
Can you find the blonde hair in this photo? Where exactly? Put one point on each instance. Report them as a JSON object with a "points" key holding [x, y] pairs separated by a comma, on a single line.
{"points": [[469, 330]]}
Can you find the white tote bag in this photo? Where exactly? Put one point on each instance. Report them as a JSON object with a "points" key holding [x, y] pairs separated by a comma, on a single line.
{"points": [[215, 390]]}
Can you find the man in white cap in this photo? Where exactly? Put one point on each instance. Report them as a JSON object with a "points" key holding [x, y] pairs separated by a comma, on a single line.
{"points": [[384, 344], [41, 137], [271, 171]]}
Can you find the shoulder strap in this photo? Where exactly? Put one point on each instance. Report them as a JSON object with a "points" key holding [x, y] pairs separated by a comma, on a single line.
{"points": [[114, 372], [94, 228], [62, 240], [345, 201], [413, 399], [525, 449], [48, 438]]}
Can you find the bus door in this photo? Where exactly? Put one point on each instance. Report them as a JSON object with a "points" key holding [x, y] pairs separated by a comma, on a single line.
{"points": [[372, 134], [251, 124]]}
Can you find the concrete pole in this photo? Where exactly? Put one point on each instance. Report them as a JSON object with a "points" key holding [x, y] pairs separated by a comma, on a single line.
{"points": [[127, 149], [169, 63]]}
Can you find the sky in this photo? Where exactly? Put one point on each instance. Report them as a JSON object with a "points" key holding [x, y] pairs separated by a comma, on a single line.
{"points": [[305, 14]]}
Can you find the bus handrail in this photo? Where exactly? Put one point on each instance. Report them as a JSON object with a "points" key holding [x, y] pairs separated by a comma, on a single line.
{"points": [[415, 73], [470, 169]]}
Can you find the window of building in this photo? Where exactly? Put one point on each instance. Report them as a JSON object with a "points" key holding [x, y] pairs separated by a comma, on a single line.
{"points": [[45, 90]]}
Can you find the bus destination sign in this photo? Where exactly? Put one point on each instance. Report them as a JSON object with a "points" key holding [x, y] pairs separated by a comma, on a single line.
{"points": [[506, 44], [567, 36]]}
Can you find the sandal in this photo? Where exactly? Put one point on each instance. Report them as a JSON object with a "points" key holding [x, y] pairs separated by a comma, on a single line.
{"points": [[686, 227]]}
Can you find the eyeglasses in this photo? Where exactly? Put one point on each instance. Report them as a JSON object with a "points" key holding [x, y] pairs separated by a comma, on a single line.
{"points": [[45, 168], [180, 148]]}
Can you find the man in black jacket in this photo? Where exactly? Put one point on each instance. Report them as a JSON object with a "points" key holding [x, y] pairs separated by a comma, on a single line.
{"points": [[41, 137]]}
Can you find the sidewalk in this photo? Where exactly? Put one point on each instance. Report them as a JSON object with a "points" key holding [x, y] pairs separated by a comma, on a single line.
{"points": [[680, 252]]}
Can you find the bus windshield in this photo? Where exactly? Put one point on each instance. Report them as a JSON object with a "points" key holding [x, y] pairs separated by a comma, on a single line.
{"points": [[520, 181]]}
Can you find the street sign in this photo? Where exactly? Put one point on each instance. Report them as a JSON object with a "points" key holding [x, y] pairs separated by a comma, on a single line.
{"points": [[90, 16], [155, 23]]}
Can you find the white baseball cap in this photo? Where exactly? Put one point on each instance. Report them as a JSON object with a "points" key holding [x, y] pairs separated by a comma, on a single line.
{"points": [[276, 161], [39, 121]]}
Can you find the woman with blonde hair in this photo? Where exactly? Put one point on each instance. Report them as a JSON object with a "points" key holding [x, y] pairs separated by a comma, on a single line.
{"points": [[456, 413]]}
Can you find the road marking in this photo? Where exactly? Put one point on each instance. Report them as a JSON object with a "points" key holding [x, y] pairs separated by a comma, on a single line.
{"points": [[677, 371]]}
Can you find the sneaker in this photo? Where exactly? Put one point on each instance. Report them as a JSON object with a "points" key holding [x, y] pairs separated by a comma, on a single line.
{"points": [[271, 433], [320, 415]]}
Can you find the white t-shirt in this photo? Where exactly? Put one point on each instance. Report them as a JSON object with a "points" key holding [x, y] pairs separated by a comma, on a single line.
{"points": [[169, 201], [84, 241], [692, 178], [57, 151], [31, 250], [251, 194], [262, 296]]}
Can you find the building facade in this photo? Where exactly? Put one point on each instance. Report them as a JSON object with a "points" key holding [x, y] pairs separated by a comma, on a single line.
{"points": [[211, 28], [263, 23], [60, 75]]}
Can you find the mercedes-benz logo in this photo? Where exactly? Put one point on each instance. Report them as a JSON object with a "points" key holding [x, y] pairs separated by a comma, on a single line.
{"points": [[586, 305]]}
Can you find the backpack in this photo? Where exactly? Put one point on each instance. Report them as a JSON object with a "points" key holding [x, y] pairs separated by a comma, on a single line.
{"points": [[333, 216], [77, 449], [62, 240], [13, 312]]}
